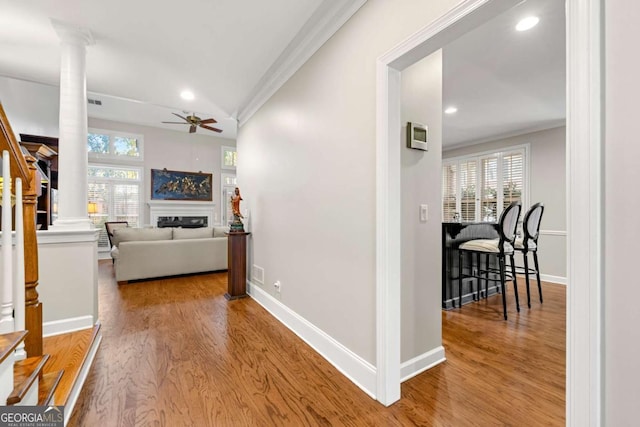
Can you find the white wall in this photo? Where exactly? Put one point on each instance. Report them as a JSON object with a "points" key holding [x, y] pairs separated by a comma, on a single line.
{"points": [[31, 108], [421, 293], [547, 184], [621, 204], [307, 173], [180, 151], [68, 280]]}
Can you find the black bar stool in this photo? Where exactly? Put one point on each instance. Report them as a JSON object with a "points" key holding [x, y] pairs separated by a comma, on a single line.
{"points": [[501, 247], [529, 244]]}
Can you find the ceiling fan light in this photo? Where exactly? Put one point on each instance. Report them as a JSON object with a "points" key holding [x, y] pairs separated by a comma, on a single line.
{"points": [[187, 95]]}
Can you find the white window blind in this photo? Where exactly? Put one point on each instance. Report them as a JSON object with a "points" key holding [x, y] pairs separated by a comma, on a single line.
{"points": [[449, 192], [116, 191], [512, 177], [489, 197], [468, 181], [481, 186]]}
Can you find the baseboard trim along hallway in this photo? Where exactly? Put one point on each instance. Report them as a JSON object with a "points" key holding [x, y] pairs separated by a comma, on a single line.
{"points": [[421, 363], [356, 369]]}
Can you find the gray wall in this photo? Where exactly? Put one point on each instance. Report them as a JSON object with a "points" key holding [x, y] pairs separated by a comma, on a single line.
{"points": [[621, 205], [421, 293], [307, 174], [547, 184]]}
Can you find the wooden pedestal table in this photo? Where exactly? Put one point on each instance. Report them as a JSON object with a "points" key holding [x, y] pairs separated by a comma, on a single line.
{"points": [[237, 269]]}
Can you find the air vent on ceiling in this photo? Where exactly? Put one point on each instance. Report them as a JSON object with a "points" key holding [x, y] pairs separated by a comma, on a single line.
{"points": [[94, 101]]}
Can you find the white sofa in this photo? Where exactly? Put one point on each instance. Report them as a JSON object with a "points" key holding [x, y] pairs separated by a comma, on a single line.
{"points": [[143, 253]]}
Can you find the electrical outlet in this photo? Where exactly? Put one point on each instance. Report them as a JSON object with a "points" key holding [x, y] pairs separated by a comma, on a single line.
{"points": [[277, 286]]}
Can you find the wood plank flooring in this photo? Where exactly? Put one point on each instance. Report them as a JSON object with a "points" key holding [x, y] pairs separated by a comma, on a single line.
{"points": [[175, 352]]}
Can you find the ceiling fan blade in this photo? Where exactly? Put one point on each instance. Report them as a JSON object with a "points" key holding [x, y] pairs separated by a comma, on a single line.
{"points": [[208, 121], [177, 123], [183, 118], [210, 128], [192, 129]]}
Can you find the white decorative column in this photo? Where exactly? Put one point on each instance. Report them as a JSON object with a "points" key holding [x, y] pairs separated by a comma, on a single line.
{"points": [[72, 155]]}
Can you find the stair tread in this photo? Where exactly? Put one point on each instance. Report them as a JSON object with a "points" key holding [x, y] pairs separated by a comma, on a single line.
{"points": [[9, 342], [47, 387], [24, 374]]}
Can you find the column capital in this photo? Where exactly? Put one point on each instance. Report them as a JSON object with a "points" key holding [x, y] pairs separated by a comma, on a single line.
{"points": [[72, 34]]}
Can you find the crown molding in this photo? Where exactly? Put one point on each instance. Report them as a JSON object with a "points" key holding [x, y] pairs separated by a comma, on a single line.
{"points": [[323, 24]]}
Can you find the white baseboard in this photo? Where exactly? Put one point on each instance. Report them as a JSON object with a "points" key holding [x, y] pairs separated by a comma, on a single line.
{"points": [[419, 364], [358, 370], [553, 279], [82, 376], [64, 326]]}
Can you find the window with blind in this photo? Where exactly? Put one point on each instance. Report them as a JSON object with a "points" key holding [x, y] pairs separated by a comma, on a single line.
{"points": [[468, 179], [479, 187], [116, 192]]}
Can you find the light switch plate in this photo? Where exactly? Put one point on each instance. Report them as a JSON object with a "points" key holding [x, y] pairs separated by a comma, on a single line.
{"points": [[424, 213]]}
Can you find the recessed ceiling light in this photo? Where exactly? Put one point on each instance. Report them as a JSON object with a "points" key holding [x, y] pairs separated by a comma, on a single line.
{"points": [[450, 110], [527, 23], [187, 94]]}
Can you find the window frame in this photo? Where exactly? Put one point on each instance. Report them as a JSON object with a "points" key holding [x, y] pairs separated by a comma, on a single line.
{"points": [[224, 203], [111, 156], [478, 157], [222, 151]]}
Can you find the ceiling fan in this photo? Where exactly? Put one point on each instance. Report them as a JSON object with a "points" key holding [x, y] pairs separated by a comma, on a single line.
{"points": [[194, 121]]}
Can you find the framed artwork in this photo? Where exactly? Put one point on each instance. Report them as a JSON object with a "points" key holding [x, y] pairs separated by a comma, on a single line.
{"points": [[178, 185]]}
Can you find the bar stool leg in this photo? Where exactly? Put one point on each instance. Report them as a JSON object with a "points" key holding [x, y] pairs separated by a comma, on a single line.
{"points": [[526, 277], [501, 262], [470, 267], [460, 259], [535, 262], [486, 275], [515, 282]]}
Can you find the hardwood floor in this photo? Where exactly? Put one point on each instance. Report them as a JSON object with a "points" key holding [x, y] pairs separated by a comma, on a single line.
{"points": [[175, 352]]}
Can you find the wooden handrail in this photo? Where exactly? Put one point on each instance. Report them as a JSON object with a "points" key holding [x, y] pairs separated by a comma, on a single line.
{"points": [[19, 167], [24, 167]]}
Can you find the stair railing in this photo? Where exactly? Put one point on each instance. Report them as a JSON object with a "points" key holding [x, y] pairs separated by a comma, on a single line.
{"points": [[22, 172]]}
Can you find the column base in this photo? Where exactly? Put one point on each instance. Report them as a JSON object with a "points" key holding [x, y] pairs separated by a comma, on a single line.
{"points": [[72, 224]]}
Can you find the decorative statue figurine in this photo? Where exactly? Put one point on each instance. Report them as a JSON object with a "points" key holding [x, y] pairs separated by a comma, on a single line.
{"points": [[236, 225]]}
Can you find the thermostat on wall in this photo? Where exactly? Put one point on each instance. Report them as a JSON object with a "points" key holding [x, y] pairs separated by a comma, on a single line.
{"points": [[417, 136]]}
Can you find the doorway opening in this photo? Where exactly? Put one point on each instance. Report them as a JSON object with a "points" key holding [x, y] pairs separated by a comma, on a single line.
{"points": [[584, 122]]}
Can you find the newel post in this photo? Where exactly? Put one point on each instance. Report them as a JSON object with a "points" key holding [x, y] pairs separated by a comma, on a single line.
{"points": [[33, 307]]}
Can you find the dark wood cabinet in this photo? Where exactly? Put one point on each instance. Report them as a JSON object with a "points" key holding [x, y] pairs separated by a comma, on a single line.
{"points": [[45, 150], [237, 266]]}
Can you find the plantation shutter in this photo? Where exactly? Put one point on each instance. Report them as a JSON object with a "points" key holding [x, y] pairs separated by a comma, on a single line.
{"points": [[126, 203], [99, 194], [449, 192], [116, 191], [512, 177], [468, 190], [489, 196]]}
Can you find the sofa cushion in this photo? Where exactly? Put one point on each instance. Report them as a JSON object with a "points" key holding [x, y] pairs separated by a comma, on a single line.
{"points": [[220, 231], [141, 234], [192, 233]]}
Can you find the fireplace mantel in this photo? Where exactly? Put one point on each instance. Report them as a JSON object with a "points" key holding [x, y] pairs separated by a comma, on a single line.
{"points": [[158, 208]]}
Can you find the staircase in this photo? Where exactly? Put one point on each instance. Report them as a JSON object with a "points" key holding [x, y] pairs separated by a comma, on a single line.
{"points": [[23, 381]]}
